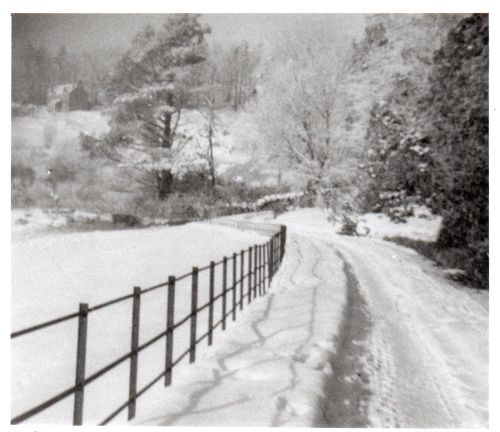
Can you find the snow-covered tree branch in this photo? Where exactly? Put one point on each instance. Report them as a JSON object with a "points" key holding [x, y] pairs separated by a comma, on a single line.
{"points": [[150, 86]]}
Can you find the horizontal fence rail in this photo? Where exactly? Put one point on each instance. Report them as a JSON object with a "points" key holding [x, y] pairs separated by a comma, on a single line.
{"points": [[267, 229], [263, 261]]}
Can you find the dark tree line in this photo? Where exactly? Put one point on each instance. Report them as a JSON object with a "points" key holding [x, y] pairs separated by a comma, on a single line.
{"points": [[35, 70], [459, 109]]}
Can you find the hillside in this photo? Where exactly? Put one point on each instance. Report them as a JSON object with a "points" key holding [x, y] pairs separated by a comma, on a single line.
{"points": [[41, 138]]}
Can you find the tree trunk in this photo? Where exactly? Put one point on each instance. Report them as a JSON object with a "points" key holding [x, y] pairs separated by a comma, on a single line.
{"points": [[211, 154], [165, 179], [165, 176]]}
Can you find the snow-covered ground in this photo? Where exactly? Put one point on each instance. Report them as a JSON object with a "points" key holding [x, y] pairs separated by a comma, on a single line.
{"points": [[57, 128], [426, 358], [270, 366], [53, 273], [422, 226], [355, 331], [302, 357]]}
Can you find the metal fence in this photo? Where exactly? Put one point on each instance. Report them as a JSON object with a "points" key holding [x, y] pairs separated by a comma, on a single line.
{"points": [[263, 260], [267, 229]]}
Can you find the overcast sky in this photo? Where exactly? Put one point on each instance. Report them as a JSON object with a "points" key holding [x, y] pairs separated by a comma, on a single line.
{"points": [[89, 31]]}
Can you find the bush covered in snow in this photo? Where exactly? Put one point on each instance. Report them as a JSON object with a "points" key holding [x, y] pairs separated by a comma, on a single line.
{"points": [[349, 226]]}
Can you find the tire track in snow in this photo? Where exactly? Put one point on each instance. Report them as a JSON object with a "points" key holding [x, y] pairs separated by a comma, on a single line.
{"points": [[419, 385], [348, 390], [397, 400]]}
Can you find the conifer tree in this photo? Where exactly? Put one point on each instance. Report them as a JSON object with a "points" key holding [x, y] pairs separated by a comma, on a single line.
{"points": [[150, 86]]}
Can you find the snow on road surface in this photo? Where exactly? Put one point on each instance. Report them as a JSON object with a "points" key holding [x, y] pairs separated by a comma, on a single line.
{"points": [[428, 348], [353, 332], [426, 357]]}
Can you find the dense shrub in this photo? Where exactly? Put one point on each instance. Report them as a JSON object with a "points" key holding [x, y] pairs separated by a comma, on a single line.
{"points": [[89, 146], [459, 100], [348, 226], [453, 258], [22, 173], [22, 178]]}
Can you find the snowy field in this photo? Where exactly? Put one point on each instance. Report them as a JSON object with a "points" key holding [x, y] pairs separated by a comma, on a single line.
{"points": [[63, 127], [53, 273]]}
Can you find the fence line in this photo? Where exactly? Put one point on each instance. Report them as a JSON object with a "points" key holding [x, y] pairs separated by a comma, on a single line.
{"points": [[267, 229], [262, 265]]}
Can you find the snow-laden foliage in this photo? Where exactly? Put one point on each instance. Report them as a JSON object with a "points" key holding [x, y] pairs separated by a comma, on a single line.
{"points": [[302, 117], [278, 203], [151, 85], [392, 63]]}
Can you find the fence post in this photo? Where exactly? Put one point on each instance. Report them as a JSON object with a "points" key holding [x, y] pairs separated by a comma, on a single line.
{"points": [[242, 272], [224, 292], [264, 263], [170, 330], [270, 262], [278, 250], [249, 274], [234, 286], [211, 304], [80, 364], [194, 314], [275, 253], [271, 255], [283, 241], [134, 344], [263, 268], [258, 270], [255, 271]]}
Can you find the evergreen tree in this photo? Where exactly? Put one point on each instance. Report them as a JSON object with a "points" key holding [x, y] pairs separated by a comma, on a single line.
{"points": [[459, 101], [151, 85]]}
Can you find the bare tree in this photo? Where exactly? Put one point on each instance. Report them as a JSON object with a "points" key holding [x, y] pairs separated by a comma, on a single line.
{"points": [[303, 114]]}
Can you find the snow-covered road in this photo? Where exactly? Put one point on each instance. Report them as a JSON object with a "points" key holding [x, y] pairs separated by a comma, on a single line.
{"points": [[425, 356], [428, 347], [355, 332]]}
